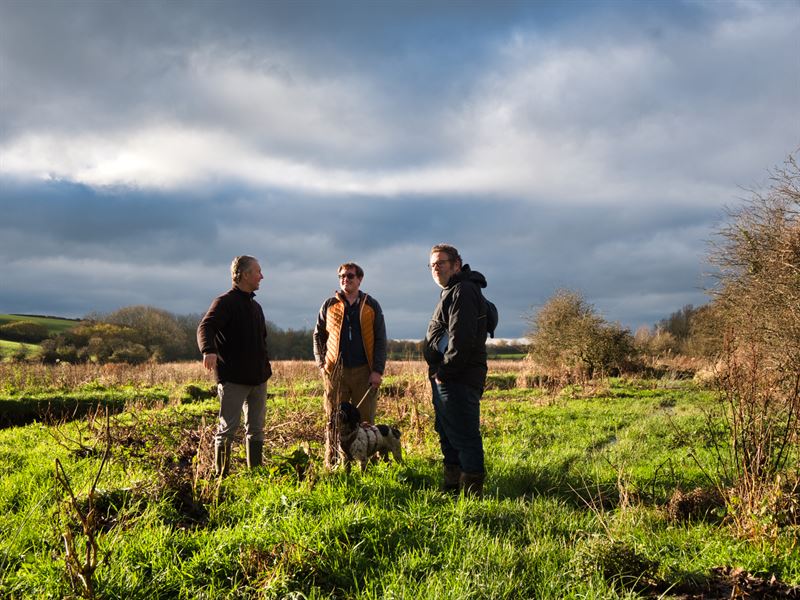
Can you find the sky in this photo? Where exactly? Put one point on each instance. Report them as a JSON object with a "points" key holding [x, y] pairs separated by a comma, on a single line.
{"points": [[590, 146]]}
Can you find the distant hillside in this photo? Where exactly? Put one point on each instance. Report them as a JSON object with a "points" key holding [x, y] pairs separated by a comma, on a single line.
{"points": [[17, 349], [53, 324]]}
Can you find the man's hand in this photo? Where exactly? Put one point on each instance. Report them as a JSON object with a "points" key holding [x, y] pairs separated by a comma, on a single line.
{"points": [[375, 379], [210, 361]]}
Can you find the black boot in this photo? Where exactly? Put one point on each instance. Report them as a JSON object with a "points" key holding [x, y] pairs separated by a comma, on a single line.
{"points": [[472, 484], [222, 457], [452, 476], [255, 450]]}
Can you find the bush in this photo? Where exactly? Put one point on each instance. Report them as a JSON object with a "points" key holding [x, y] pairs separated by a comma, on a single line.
{"points": [[130, 353], [567, 336], [23, 331], [615, 561]]}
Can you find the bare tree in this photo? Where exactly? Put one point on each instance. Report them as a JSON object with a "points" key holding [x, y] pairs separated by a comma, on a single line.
{"points": [[759, 261], [758, 300]]}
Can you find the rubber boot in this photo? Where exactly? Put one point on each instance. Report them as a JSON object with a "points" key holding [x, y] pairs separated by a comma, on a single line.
{"points": [[222, 457], [452, 477], [255, 450], [472, 484]]}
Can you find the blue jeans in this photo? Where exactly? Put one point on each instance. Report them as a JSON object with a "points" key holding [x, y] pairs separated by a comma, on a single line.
{"points": [[458, 417]]}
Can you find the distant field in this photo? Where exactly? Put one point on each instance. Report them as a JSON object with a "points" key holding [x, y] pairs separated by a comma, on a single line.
{"points": [[53, 324], [9, 349], [509, 356]]}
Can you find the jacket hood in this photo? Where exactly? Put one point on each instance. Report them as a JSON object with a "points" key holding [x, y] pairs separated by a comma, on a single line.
{"points": [[467, 274]]}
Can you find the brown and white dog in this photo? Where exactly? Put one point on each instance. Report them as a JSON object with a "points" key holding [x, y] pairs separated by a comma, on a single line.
{"points": [[361, 441]]}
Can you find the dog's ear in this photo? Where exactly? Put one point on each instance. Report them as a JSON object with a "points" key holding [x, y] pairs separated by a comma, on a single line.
{"points": [[355, 415]]}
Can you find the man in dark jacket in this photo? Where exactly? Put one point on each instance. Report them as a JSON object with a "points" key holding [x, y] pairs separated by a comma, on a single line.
{"points": [[455, 350], [233, 339]]}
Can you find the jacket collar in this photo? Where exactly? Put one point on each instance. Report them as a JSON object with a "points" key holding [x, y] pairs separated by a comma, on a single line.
{"points": [[340, 295], [248, 295]]}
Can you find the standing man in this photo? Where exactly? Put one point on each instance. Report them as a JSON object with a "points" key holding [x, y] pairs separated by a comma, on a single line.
{"points": [[233, 339], [350, 350], [455, 350]]}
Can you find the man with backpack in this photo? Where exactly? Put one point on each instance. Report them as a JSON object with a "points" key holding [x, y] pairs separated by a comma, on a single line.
{"points": [[455, 350]]}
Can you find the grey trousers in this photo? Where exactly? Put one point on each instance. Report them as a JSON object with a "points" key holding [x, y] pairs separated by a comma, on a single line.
{"points": [[232, 398]]}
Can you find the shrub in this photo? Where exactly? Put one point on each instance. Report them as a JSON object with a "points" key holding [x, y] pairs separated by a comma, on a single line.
{"points": [[616, 561], [567, 336], [23, 331], [130, 353]]}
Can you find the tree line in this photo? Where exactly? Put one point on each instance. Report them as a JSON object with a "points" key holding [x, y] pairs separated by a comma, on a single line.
{"points": [[566, 333], [570, 340], [138, 334]]}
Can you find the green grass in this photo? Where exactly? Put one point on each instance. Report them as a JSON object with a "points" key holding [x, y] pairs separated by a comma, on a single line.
{"points": [[19, 409], [54, 325], [8, 350], [507, 356], [566, 477]]}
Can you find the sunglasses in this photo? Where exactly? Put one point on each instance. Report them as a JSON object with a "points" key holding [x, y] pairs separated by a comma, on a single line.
{"points": [[439, 263], [347, 276]]}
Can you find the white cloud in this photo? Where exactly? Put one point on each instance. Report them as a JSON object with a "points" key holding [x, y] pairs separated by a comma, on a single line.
{"points": [[575, 121]]}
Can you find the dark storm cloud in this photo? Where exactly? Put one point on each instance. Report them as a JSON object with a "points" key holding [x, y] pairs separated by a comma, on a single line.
{"points": [[113, 249]]}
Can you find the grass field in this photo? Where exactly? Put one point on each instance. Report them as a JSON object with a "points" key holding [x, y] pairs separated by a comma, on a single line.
{"points": [[8, 350], [580, 498], [54, 325]]}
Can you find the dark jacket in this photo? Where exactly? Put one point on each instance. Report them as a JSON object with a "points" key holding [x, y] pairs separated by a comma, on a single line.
{"points": [[455, 345], [328, 332], [235, 330]]}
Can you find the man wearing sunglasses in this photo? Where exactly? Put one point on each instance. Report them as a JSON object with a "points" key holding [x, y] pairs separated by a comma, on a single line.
{"points": [[350, 350]]}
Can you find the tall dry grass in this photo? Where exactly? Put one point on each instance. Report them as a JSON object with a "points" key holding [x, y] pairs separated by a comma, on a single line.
{"points": [[33, 376]]}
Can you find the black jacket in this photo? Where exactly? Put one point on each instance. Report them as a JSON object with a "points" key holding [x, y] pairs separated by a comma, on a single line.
{"points": [[455, 345], [235, 330]]}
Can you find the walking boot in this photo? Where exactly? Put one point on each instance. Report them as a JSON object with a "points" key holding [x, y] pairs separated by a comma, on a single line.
{"points": [[255, 450], [472, 484], [452, 477], [222, 457]]}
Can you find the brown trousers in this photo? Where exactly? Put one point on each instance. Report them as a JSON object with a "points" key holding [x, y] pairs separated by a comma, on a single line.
{"points": [[347, 385]]}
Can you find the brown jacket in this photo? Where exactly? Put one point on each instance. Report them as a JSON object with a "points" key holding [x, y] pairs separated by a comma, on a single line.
{"points": [[235, 330]]}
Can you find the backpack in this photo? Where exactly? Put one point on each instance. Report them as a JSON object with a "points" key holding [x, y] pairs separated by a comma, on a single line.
{"points": [[491, 317]]}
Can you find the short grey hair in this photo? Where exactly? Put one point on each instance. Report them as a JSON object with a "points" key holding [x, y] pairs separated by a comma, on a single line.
{"points": [[240, 265]]}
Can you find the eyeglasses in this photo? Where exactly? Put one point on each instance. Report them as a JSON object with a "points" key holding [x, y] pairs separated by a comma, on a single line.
{"points": [[439, 263], [347, 276]]}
